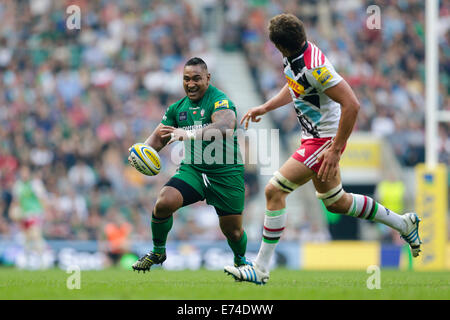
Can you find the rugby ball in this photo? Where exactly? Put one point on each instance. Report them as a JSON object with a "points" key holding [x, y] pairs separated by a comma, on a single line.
{"points": [[145, 159]]}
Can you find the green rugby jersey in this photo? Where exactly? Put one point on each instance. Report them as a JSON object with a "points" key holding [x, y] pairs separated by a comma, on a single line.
{"points": [[216, 157]]}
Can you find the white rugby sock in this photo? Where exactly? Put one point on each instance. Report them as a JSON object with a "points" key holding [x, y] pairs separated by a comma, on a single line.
{"points": [[274, 223], [366, 208]]}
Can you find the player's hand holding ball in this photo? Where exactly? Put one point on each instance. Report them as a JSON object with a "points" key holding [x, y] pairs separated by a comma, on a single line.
{"points": [[144, 159]]}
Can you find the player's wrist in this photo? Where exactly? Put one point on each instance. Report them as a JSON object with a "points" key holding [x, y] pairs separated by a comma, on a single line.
{"points": [[265, 108], [193, 134], [336, 148]]}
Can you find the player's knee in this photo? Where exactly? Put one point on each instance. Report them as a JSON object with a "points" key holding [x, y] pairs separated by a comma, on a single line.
{"points": [[166, 205], [335, 200], [163, 208], [233, 234], [273, 193], [279, 187]]}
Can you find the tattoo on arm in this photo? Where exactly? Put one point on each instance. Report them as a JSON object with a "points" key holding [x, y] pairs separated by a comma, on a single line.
{"points": [[223, 121]]}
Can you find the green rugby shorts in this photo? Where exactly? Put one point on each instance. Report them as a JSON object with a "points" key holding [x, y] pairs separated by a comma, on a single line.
{"points": [[224, 192]]}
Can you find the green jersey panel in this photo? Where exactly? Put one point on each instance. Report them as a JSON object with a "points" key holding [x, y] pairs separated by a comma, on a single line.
{"points": [[214, 154], [29, 202]]}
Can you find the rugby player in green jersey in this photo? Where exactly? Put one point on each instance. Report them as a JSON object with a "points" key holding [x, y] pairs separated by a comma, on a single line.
{"points": [[211, 170]]}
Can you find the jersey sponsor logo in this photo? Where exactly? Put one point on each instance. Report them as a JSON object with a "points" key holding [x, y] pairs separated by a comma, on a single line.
{"points": [[323, 75], [221, 103], [295, 86], [195, 126], [182, 116], [202, 112]]}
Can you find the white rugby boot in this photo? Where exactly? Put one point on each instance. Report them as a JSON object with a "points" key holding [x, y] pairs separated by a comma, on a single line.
{"points": [[247, 272], [411, 236]]}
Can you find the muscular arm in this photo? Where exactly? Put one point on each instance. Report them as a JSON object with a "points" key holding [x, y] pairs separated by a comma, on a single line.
{"points": [[155, 140], [343, 94], [223, 121]]}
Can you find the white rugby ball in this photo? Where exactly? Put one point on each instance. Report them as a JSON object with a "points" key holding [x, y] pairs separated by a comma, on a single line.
{"points": [[145, 159]]}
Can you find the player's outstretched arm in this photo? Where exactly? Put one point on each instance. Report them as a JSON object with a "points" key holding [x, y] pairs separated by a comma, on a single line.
{"points": [[282, 98]]}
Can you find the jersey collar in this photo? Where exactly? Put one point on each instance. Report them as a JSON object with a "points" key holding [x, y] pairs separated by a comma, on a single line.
{"points": [[299, 54]]}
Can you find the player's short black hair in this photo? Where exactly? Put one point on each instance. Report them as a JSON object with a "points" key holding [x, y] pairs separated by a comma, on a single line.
{"points": [[287, 31], [195, 62]]}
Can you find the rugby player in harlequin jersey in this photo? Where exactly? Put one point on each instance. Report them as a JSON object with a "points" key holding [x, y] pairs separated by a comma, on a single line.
{"points": [[327, 110], [308, 75], [212, 170]]}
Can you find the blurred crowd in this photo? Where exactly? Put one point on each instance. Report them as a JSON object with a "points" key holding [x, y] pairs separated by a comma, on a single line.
{"points": [[385, 66], [73, 101]]}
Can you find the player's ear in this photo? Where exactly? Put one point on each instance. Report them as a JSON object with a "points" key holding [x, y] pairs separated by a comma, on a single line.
{"points": [[208, 77]]}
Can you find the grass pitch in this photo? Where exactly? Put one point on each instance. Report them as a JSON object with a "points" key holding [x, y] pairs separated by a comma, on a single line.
{"points": [[159, 284]]}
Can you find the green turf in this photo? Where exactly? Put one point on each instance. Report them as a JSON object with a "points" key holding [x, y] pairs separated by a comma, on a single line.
{"points": [[203, 284]]}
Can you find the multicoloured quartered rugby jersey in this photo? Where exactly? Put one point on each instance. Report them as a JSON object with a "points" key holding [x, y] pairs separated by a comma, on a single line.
{"points": [[222, 157], [308, 76]]}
